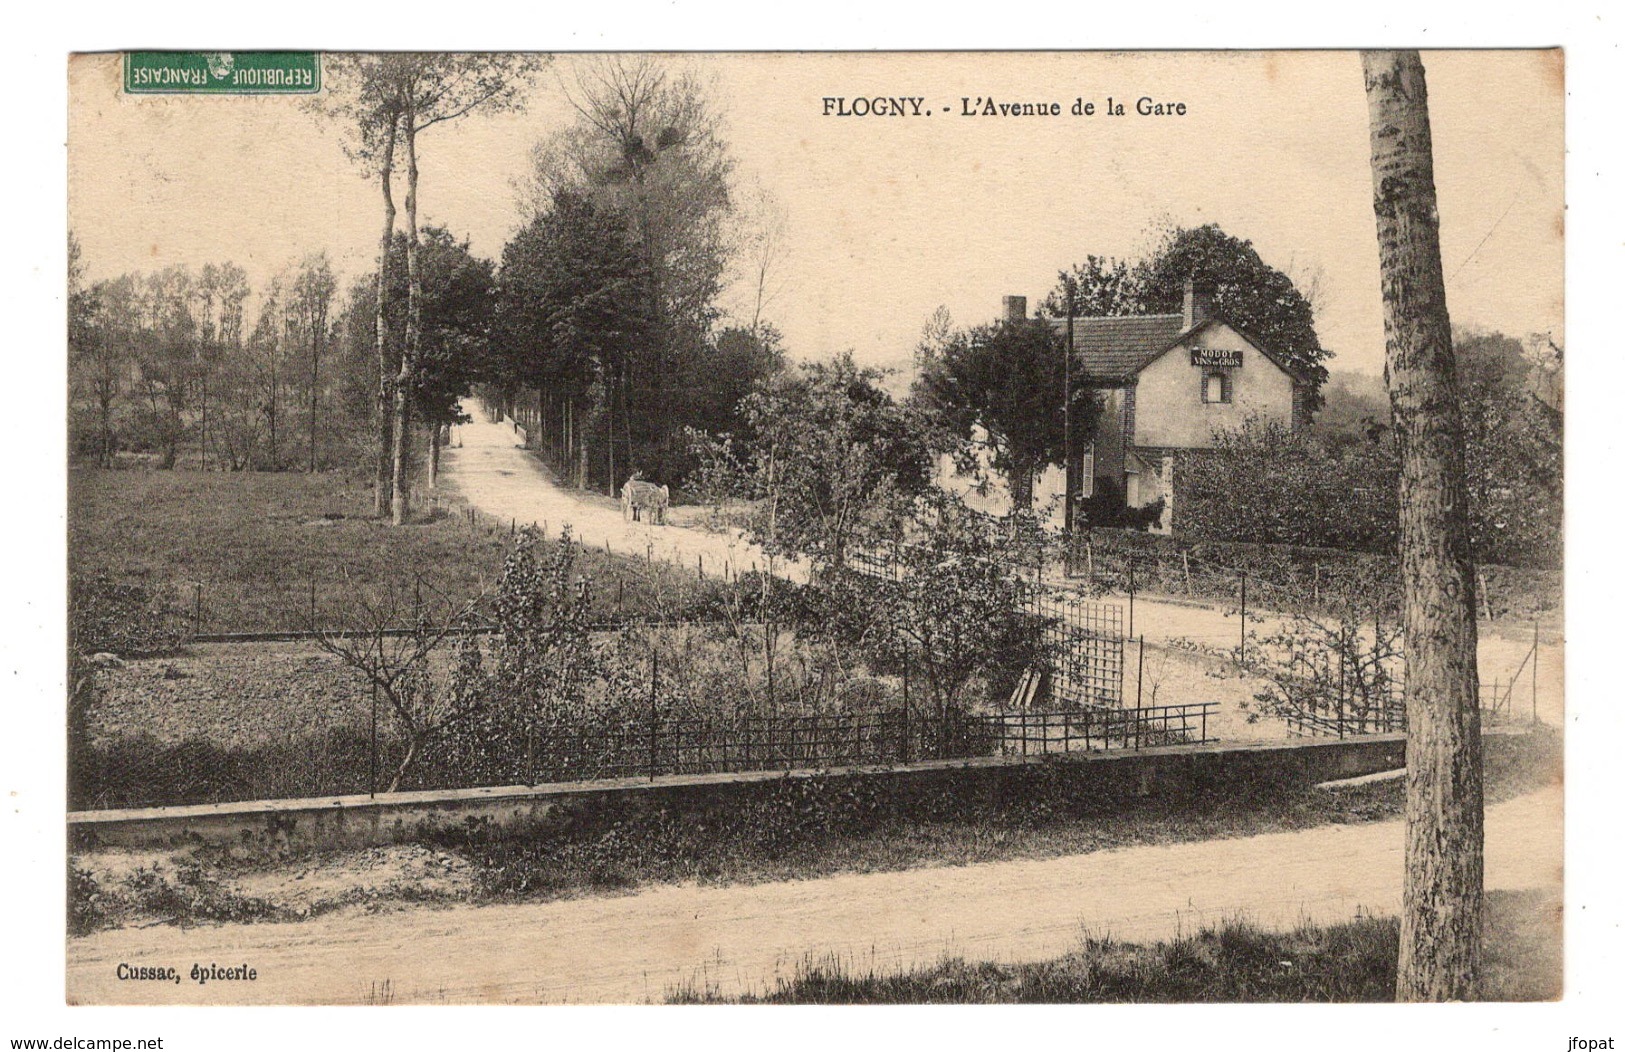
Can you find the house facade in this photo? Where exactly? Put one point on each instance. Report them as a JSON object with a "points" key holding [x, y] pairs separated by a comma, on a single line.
{"points": [[1166, 383]]}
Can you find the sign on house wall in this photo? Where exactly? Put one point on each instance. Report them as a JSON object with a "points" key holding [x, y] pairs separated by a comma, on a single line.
{"points": [[1212, 356]]}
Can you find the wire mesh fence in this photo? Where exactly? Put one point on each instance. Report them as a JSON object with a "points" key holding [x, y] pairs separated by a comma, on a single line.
{"points": [[1282, 578]]}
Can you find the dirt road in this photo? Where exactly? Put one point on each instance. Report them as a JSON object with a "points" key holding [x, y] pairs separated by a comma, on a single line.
{"points": [[504, 481], [637, 947]]}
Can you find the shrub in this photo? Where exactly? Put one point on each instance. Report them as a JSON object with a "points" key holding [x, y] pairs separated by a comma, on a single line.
{"points": [[122, 617], [1265, 483]]}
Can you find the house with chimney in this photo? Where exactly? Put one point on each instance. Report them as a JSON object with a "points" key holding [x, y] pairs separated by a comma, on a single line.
{"points": [[1166, 383]]}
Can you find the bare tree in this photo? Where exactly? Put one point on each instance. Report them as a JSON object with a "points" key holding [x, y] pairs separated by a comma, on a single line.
{"points": [[765, 250], [313, 288], [102, 337], [1440, 929], [221, 290], [392, 640]]}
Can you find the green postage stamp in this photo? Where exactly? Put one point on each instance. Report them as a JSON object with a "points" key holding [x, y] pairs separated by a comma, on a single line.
{"points": [[222, 72]]}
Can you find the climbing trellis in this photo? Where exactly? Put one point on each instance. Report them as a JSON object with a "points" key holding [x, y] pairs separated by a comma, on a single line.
{"points": [[1086, 641], [1085, 637]]}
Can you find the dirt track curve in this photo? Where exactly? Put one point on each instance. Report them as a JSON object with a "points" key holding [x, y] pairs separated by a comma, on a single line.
{"points": [[501, 479]]}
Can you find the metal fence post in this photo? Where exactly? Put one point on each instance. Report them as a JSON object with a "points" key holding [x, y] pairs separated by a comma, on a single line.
{"points": [[1139, 678], [1341, 682], [372, 746], [530, 752], [1534, 678], [197, 607], [1131, 596], [654, 682], [1243, 650], [903, 753]]}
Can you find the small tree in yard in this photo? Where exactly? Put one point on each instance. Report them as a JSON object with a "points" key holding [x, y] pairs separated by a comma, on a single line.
{"points": [[1337, 668], [424, 701], [827, 456], [1008, 380], [954, 610], [545, 699]]}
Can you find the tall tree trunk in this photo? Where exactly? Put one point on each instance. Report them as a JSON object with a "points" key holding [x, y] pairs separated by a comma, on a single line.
{"points": [[434, 455], [276, 457], [1021, 489], [1439, 951], [107, 432], [381, 463], [203, 423], [315, 374], [401, 501]]}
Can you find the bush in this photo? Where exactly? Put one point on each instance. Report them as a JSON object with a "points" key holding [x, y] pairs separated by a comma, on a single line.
{"points": [[122, 618], [1265, 483]]}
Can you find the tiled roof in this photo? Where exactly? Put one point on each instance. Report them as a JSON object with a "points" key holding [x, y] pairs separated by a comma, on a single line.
{"points": [[1118, 348]]}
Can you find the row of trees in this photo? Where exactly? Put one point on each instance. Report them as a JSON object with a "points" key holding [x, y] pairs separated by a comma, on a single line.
{"points": [[385, 102], [607, 297], [166, 364]]}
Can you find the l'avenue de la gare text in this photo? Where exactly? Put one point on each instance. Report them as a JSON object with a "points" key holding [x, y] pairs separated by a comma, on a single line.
{"points": [[990, 106]]}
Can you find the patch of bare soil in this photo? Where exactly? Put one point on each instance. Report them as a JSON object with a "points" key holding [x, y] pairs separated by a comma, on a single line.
{"points": [[141, 888], [371, 878], [1174, 675]]}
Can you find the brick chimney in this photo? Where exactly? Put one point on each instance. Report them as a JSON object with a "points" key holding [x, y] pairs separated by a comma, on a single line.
{"points": [[1015, 308], [1198, 303]]}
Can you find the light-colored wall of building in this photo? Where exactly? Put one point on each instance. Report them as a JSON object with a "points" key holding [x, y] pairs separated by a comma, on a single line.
{"points": [[1169, 410], [1108, 436], [987, 491]]}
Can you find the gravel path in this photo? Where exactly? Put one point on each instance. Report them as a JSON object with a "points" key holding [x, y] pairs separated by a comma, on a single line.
{"points": [[501, 479], [637, 947]]}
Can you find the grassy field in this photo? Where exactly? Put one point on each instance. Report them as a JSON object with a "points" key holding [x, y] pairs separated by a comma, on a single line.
{"points": [[254, 541], [1231, 962], [239, 552]]}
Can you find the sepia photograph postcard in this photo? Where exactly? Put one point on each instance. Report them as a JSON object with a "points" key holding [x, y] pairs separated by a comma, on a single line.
{"points": [[915, 527]]}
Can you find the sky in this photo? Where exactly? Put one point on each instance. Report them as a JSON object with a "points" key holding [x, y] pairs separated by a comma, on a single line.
{"points": [[889, 217]]}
